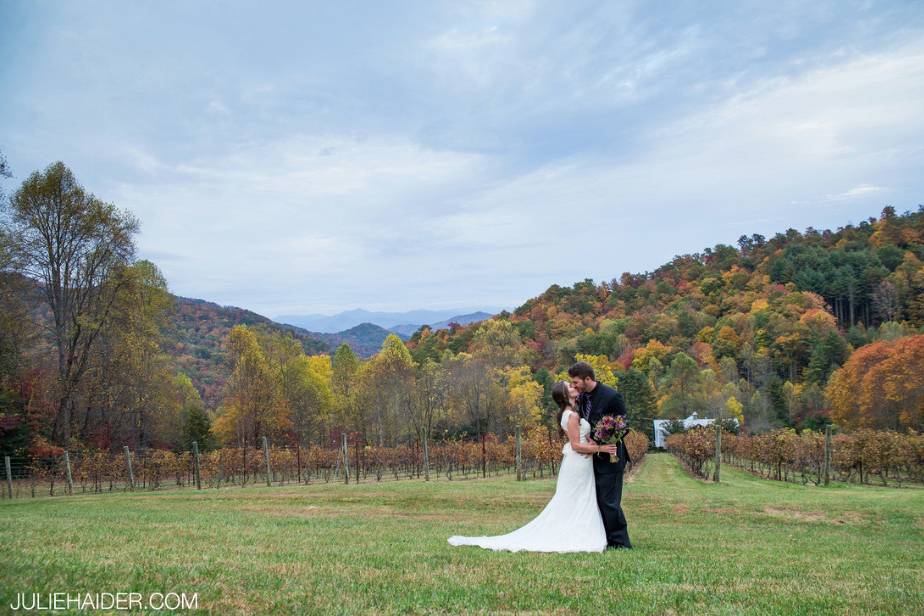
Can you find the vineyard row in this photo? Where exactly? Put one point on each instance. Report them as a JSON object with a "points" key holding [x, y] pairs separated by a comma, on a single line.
{"points": [[102, 471]]}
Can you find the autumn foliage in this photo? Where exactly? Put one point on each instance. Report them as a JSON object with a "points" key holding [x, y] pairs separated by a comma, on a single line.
{"points": [[864, 456], [881, 386]]}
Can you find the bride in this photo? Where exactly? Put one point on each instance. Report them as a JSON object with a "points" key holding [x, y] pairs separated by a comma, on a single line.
{"points": [[571, 522]]}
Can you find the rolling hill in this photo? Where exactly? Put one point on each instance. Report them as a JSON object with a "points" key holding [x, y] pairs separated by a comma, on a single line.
{"points": [[200, 327]]}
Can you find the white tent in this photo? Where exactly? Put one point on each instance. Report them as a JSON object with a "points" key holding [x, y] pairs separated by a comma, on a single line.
{"points": [[693, 420]]}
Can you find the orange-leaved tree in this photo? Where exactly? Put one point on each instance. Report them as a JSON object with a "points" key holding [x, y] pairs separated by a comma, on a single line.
{"points": [[881, 386]]}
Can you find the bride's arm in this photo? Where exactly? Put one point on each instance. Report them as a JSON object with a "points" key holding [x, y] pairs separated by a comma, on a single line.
{"points": [[574, 437]]}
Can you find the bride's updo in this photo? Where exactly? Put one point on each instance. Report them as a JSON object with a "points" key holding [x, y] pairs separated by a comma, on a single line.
{"points": [[562, 398]]}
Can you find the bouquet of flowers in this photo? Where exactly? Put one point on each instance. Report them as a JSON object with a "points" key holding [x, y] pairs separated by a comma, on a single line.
{"points": [[610, 430]]}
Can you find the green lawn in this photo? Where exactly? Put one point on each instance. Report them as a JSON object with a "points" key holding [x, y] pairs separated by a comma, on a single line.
{"points": [[745, 546]]}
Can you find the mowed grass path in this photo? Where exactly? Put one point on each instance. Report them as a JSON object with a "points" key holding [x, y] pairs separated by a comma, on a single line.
{"points": [[744, 546]]}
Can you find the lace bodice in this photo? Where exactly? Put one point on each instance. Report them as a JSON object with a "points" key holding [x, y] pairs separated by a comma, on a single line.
{"points": [[584, 431]]}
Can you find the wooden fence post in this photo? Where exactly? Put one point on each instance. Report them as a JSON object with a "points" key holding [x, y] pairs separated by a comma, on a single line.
{"points": [[426, 454], [826, 464], [266, 459], [346, 458], [298, 462], [244, 465], [67, 468], [195, 447], [718, 452], [128, 465], [221, 469], [9, 476], [519, 456], [357, 472]]}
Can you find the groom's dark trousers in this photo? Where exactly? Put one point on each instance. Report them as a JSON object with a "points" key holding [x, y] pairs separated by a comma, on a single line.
{"points": [[604, 400], [609, 497]]}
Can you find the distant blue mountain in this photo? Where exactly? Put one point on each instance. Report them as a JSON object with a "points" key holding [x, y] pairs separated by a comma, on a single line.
{"points": [[393, 321], [408, 329]]}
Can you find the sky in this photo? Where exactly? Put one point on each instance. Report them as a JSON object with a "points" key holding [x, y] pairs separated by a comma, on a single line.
{"points": [[304, 157]]}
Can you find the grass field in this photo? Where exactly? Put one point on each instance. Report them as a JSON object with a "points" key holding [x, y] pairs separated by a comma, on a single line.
{"points": [[744, 546]]}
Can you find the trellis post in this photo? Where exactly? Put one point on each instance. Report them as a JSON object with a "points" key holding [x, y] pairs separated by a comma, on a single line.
{"points": [[346, 458], [128, 466], [298, 461], [195, 447], [718, 452], [826, 463], [9, 476], [67, 468], [519, 456], [266, 459]]}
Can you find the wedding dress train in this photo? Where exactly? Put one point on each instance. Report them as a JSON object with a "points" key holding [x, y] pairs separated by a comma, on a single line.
{"points": [[570, 522]]}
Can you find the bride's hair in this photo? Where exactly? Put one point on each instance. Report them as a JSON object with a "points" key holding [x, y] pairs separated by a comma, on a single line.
{"points": [[562, 398]]}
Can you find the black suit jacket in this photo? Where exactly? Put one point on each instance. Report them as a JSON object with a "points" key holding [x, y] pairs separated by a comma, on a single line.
{"points": [[605, 400]]}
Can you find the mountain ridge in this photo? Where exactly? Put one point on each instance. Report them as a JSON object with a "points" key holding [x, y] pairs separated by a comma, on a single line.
{"points": [[408, 329], [395, 321]]}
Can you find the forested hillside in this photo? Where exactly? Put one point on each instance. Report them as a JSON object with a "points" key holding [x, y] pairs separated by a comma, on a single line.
{"points": [[200, 329], [753, 330], [196, 330], [196, 336]]}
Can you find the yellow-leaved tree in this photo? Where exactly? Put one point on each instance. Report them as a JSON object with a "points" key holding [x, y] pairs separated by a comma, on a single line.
{"points": [[603, 368], [253, 405], [429, 402], [304, 382], [524, 397], [387, 389]]}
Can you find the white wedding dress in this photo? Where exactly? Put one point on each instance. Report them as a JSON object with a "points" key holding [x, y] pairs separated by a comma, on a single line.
{"points": [[571, 522]]}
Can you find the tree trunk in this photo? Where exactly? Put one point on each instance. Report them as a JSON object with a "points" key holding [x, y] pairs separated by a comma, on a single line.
{"points": [[851, 304]]}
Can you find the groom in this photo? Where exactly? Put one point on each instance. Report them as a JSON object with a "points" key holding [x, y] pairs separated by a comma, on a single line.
{"points": [[595, 401]]}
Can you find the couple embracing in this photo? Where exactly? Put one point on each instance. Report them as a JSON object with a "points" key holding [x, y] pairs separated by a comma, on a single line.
{"points": [[584, 514]]}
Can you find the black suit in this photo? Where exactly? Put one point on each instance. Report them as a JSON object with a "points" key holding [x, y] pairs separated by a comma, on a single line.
{"points": [[604, 400]]}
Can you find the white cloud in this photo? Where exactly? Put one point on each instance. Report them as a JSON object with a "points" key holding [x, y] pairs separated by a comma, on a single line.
{"points": [[219, 108], [859, 190], [477, 58]]}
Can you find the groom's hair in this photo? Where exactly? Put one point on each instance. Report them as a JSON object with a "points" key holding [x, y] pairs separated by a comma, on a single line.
{"points": [[582, 370]]}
